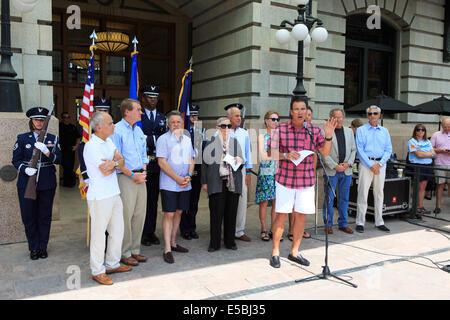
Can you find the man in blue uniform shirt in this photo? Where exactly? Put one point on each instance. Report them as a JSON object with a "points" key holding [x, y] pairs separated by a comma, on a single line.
{"points": [[153, 125], [37, 214], [187, 224]]}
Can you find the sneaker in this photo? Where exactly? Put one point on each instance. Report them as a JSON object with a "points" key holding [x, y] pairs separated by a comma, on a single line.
{"points": [[360, 229], [383, 228], [437, 210]]}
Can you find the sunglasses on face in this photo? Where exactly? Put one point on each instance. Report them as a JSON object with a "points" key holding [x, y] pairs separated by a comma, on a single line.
{"points": [[275, 119], [421, 129], [225, 126], [372, 113]]}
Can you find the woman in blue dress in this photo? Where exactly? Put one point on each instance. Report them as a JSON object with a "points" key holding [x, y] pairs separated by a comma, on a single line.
{"points": [[420, 151], [265, 186]]}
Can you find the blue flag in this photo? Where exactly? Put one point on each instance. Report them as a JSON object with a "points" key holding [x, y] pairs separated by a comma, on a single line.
{"points": [[134, 81], [184, 97]]}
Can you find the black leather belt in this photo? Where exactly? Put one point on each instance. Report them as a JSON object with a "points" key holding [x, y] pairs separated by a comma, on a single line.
{"points": [[375, 159], [139, 171]]}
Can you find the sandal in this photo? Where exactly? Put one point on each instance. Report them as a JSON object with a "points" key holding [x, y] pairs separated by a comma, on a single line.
{"points": [[306, 235], [290, 236], [264, 236], [271, 234]]}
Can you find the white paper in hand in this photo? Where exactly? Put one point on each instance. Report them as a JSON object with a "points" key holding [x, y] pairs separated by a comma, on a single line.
{"points": [[303, 155], [231, 161]]}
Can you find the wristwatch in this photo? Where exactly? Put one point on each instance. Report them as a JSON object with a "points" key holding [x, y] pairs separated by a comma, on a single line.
{"points": [[116, 164]]}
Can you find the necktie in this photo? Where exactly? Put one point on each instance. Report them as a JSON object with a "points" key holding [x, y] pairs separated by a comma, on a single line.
{"points": [[152, 118]]}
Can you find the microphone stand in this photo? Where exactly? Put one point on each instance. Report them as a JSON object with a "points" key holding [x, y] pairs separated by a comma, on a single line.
{"points": [[325, 269]]}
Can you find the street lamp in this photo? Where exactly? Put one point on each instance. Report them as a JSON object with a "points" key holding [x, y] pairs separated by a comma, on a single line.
{"points": [[300, 32]]}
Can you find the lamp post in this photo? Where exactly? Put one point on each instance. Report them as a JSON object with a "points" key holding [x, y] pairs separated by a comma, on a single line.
{"points": [[300, 32], [9, 86]]}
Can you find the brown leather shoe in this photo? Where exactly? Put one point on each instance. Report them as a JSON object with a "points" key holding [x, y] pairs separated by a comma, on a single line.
{"points": [[244, 237], [330, 230], [119, 269], [139, 257], [102, 278], [129, 261], [346, 230], [168, 257]]}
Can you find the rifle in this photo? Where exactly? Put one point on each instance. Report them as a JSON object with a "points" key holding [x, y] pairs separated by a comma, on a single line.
{"points": [[30, 191]]}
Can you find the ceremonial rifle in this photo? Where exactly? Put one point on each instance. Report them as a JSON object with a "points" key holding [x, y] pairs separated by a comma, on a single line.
{"points": [[30, 191]]}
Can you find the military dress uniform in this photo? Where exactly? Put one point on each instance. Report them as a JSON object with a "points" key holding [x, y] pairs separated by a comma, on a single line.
{"points": [[154, 125], [187, 223], [37, 214]]}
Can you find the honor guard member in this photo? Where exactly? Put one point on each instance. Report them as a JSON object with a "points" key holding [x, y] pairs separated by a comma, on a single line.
{"points": [[154, 125], [100, 105], [37, 214], [187, 224]]}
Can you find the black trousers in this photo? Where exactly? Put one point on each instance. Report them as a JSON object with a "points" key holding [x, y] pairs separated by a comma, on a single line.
{"points": [[187, 223], [67, 162], [223, 206], [37, 217], [152, 203]]}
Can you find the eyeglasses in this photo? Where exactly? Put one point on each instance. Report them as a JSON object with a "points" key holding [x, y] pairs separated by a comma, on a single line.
{"points": [[372, 113], [421, 129], [225, 126], [275, 119]]}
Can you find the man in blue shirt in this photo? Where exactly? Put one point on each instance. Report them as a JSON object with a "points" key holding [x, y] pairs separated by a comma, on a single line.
{"points": [[130, 141], [176, 160], [374, 148], [234, 114]]}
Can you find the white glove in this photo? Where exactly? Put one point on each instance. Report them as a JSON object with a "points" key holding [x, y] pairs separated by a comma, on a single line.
{"points": [[42, 147], [30, 171]]}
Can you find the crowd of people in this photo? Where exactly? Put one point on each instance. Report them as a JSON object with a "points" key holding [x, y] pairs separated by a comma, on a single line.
{"points": [[128, 164]]}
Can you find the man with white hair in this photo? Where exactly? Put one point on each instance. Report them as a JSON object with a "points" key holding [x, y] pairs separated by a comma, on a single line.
{"points": [[103, 198], [241, 135], [374, 148]]}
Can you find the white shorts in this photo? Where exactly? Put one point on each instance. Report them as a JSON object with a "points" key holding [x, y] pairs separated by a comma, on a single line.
{"points": [[298, 200]]}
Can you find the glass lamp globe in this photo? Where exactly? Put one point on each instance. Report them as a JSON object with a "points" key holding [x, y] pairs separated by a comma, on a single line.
{"points": [[307, 41], [282, 36], [24, 6], [301, 2], [319, 34], [300, 32]]}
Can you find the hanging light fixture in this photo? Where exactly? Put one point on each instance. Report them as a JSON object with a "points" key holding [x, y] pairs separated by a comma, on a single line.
{"points": [[82, 60], [112, 41]]}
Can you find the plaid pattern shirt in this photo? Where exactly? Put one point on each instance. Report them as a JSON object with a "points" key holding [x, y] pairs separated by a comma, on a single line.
{"points": [[286, 139]]}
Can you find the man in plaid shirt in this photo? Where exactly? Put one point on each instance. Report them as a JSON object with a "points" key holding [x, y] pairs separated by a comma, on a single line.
{"points": [[295, 184]]}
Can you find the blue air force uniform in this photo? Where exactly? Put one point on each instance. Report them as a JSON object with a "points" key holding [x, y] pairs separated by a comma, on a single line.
{"points": [[154, 125], [187, 223], [37, 214]]}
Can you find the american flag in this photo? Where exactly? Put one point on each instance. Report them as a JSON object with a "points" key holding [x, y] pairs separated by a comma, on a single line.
{"points": [[88, 98]]}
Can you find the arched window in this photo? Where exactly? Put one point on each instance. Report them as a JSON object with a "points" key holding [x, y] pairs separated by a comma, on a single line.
{"points": [[369, 60]]}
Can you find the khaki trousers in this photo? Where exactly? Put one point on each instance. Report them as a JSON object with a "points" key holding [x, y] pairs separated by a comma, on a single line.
{"points": [[134, 199], [106, 215], [366, 177], [242, 208]]}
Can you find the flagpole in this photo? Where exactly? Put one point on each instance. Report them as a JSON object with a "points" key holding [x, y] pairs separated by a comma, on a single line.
{"points": [[88, 218]]}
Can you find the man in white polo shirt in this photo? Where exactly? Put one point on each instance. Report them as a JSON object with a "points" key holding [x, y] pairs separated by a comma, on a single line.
{"points": [[103, 197]]}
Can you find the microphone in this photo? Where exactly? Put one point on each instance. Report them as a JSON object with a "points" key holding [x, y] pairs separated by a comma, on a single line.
{"points": [[305, 125]]}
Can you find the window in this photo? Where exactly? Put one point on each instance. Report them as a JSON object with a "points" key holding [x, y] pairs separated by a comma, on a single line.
{"points": [[369, 61]]}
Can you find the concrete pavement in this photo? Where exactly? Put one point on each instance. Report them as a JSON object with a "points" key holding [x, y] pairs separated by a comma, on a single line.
{"points": [[398, 265]]}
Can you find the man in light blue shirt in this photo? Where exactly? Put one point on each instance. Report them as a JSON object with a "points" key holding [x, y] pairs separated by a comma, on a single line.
{"points": [[176, 159], [234, 114], [373, 144], [130, 141]]}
